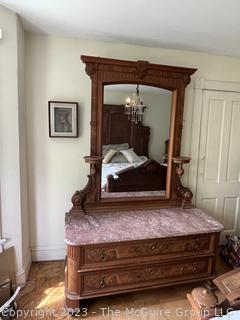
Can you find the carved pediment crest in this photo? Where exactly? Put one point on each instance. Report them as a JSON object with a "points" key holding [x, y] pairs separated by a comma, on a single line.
{"points": [[142, 67]]}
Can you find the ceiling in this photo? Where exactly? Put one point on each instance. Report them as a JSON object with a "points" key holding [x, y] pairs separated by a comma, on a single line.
{"points": [[211, 26]]}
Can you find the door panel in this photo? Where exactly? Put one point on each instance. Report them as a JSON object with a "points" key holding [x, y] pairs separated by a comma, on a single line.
{"points": [[214, 132], [233, 172], [209, 205], [230, 212], [218, 186]]}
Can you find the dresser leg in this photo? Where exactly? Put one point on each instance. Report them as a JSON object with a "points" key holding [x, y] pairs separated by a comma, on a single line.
{"points": [[72, 306]]}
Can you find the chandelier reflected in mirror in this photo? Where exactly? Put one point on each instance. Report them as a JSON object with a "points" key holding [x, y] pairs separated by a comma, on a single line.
{"points": [[134, 108]]}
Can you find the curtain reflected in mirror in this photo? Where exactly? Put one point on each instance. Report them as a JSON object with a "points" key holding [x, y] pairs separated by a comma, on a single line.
{"points": [[135, 136]]}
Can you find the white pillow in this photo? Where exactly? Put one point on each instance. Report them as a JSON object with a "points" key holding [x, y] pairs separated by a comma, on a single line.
{"points": [[121, 146], [130, 155], [118, 158], [109, 155]]}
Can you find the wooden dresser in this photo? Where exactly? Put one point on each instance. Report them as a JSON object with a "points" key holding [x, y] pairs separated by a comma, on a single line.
{"points": [[131, 242], [112, 253]]}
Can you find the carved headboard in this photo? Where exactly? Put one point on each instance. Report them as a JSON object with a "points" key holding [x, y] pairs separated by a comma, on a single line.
{"points": [[118, 129]]}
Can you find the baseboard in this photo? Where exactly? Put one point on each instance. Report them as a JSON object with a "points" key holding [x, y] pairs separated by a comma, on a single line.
{"points": [[22, 274], [46, 253]]}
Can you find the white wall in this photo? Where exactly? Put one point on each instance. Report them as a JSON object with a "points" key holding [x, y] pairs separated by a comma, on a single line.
{"points": [[14, 203], [156, 116], [56, 166], [22, 123]]}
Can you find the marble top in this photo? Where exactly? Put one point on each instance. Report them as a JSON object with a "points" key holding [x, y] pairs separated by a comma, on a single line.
{"points": [[137, 225]]}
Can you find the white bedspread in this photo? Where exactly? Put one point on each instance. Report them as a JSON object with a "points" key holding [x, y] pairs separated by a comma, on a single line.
{"points": [[111, 168]]}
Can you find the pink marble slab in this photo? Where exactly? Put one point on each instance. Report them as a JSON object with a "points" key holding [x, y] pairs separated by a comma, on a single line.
{"points": [[136, 225]]}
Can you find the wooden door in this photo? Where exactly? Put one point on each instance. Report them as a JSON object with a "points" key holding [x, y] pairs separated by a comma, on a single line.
{"points": [[218, 183]]}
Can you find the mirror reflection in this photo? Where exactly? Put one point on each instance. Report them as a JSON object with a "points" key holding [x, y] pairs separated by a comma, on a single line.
{"points": [[136, 125]]}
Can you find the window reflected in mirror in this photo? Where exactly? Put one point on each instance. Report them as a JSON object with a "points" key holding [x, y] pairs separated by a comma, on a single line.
{"points": [[135, 138]]}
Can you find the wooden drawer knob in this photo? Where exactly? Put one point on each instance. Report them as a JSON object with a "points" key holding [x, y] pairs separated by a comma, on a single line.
{"points": [[149, 270], [195, 268], [102, 256], [197, 245], [102, 283], [152, 246]]}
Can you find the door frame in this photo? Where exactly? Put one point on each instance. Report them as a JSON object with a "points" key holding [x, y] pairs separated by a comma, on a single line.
{"points": [[201, 85]]}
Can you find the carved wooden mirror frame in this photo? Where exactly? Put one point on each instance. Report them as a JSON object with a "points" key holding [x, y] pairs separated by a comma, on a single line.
{"points": [[103, 72]]}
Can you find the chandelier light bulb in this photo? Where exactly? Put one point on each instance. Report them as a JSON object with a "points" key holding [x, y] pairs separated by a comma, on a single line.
{"points": [[135, 107]]}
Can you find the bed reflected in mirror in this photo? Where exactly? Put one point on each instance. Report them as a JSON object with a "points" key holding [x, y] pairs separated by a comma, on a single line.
{"points": [[135, 137]]}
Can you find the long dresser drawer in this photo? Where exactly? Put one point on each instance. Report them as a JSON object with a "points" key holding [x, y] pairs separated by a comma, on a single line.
{"points": [[110, 254], [95, 283]]}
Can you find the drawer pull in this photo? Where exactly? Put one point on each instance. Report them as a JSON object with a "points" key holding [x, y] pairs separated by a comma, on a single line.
{"points": [[149, 270], [197, 245], [195, 268], [102, 283], [102, 256], [152, 246]]}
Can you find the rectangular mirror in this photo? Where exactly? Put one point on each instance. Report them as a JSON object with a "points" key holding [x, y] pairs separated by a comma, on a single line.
{"points": [[135, 137]]}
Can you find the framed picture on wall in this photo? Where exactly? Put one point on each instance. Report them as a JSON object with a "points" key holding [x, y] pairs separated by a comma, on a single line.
{"points": [[63, 119]]}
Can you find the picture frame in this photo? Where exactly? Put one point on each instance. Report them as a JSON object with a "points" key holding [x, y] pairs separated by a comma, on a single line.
{"points": [[63, 119]]}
